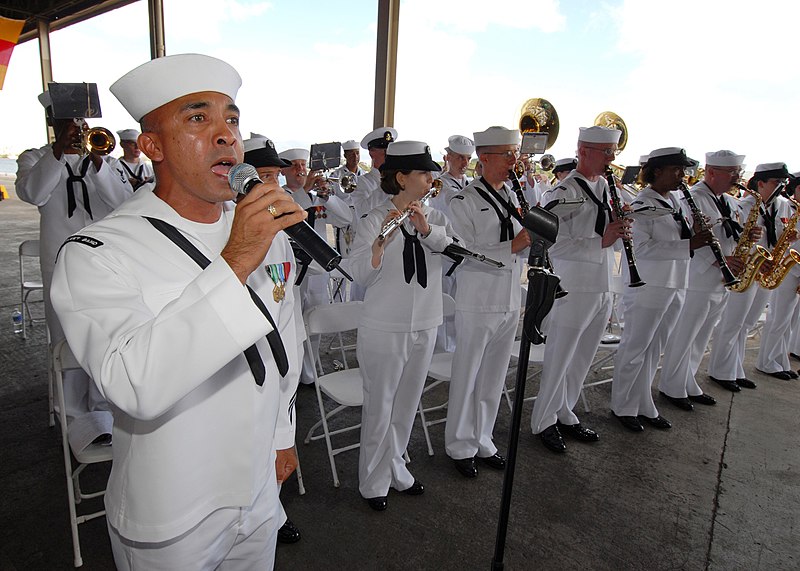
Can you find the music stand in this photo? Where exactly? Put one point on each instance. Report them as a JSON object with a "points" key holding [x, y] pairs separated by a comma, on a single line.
{"points": [[325, 156]]}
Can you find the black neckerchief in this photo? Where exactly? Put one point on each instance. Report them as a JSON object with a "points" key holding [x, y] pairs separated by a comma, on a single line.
{"points": [[506, 227], [134, 175], [251, 353], [769, 225], [603, 207], [732, 228], [414, 259], [73, 178], [676, 215]]}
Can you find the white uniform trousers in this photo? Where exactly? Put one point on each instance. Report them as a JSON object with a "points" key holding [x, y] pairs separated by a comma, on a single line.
{"points": [[574, 331], [394, 367], [730, 336], [446, 334], [228, 539], [773, 353], [649, 318], [480, 363], [686, 345]]}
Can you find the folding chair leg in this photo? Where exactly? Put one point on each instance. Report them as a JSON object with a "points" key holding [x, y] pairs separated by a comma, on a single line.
{"points": [[425, 428], [508, 397], [301, 489], [585, 404], [328, 440]]}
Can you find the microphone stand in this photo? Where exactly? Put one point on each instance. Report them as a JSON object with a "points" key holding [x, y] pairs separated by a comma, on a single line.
{"points": [[542, 287]]}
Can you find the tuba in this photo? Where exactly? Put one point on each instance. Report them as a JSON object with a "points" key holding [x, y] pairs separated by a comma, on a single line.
{"points": [[611, 120], [753, 258], [539, 116], [784, 260]]}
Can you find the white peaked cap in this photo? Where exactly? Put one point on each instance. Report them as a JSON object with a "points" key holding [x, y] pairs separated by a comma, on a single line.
{"points": [[295, 155], [600, 135], [128, 134], [165, 79], [724, 159], [460, 144], [497, 136], [380, 137], [764, 167], [350, 145]]}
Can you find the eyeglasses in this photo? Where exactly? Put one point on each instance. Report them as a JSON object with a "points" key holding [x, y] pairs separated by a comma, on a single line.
{"points": [[605, 151], [730, 170], [507, 154]]}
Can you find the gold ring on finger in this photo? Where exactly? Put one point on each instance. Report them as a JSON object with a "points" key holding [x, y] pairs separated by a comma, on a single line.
{"points": [[272, 210]]}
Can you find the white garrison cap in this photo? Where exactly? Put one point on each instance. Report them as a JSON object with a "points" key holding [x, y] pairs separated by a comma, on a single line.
{"points": [[460, 144], [565, 162], [600, 135], [380, 137], [350, 145], [295, 155], [497, 136], [45, 99], [165, 79], [643, 159], [128, 134], [724, 159]]}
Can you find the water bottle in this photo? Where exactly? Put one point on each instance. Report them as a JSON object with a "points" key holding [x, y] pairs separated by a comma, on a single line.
{"points": [[16, 318]]}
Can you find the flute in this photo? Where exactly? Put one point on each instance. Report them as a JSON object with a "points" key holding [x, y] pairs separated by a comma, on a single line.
{"points": [[395, 222]]}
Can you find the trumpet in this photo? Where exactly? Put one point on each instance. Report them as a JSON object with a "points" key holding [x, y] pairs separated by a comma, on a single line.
{"points": [[97, 140], [347, 182], [394, 223]]}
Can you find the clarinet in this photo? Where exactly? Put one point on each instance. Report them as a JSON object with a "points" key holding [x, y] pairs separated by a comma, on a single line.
{"points": [[627, 243], [727, 275]]}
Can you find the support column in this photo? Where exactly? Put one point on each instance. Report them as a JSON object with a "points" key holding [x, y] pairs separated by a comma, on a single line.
{"points": [[155, 10], [46, 62], [386, 62]]}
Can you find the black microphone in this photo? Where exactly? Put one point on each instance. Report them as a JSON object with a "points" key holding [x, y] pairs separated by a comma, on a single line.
{"points": [[243, 177]]}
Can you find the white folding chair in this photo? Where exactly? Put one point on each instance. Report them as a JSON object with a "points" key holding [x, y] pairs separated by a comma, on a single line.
{"points": [[344, 387], [440, 371], [28, 249], [92, 454]]}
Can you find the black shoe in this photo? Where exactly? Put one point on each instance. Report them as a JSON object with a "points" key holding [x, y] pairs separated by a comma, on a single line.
{"points": [[747, 383], [792, 374], [794, 356], [578, 432], [466, 466], [729, 385], [782, 375], [681, 403], [703, 399], [416, 489], [378, 504], [288, 533], [658, 422], [495, 461], [630, 422], [552, 439]]}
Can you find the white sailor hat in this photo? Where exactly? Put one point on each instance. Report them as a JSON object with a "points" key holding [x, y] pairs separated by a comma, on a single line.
{"points": [[260, 152], [460, 144], [350, 145], [165, 79], [600, 135], [766, 171], [128, 134], [295, 155], [379, 138], [409, 155], [724, 158], [643, 159], [562, 165], [496, 135], [668, 156]]}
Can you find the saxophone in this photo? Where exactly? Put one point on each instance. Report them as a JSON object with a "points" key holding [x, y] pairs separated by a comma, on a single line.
{"points": [[753, 258], [784, 260]]}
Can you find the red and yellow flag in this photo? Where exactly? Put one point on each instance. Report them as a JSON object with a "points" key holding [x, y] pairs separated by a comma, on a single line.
{"points": [[9, 34]]}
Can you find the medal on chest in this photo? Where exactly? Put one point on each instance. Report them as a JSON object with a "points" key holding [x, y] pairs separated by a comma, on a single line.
{"points": [[279, 274]]}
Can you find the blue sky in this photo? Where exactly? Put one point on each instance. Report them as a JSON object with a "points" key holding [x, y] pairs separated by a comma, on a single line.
{"points": [[702, 74]]}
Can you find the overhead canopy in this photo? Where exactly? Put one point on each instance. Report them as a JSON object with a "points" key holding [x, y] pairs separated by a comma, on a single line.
{"points": [[59, 13]]}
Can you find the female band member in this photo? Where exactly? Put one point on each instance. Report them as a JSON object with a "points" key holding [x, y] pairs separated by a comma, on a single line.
{"points": [[402, 309]]}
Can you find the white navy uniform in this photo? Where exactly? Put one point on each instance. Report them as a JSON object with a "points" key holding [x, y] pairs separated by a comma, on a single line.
{"points": [[194, 435], [314, 288], [345, 234], [143, 170], [706, 298], [773, 353], [743, 309], [577, 321], [395, 343], [487, 314], [651, 311], [446, 335]]}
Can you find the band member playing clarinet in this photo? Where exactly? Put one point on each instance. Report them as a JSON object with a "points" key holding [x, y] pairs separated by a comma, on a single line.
{"points": [[583, 257], [402, 309], [663, 245]]}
